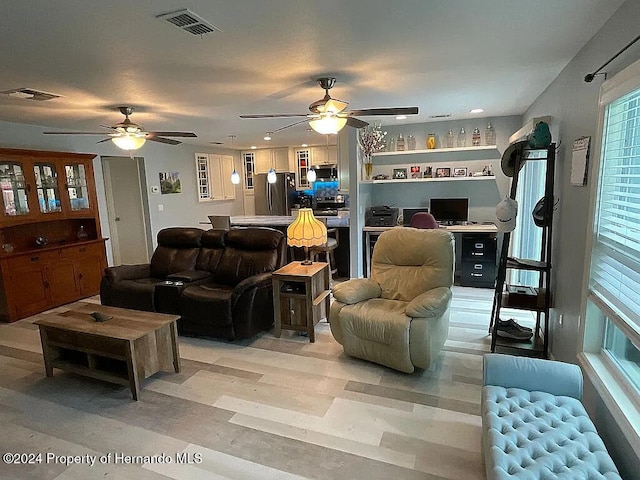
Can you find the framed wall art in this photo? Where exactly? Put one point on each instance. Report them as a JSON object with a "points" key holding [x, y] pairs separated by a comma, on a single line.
{"points": [[443, 172], [399, 173]]}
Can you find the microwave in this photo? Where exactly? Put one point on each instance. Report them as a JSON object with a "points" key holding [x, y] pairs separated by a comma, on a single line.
{"points": [[326, 172]]}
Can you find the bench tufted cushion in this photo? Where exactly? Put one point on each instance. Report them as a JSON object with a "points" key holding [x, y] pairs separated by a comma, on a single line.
{"points": [[537, 435]]}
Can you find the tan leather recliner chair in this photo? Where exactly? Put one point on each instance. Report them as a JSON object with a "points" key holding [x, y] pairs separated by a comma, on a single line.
{"points": [[400, 316]]}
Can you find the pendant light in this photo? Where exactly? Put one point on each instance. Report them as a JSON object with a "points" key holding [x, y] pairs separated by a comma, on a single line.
{"points": [[235, 176], [311, 175], [271, 176]]}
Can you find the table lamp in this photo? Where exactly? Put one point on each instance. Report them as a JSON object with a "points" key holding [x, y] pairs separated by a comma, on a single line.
{"points": [[306, 231]]}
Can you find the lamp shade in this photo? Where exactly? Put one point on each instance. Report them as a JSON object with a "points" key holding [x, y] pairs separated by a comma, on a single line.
{"points": [[235, 178], [306, 230], [128, 141], [328, 124], [271, 176]]}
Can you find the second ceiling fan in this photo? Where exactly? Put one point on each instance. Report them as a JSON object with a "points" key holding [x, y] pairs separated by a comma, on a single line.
{"points": [[329, 115]]}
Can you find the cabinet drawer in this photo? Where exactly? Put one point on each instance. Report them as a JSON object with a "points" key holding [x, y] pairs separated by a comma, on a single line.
{"points": [[92, 249], [477, 248], [35, 258], [478, 274]]}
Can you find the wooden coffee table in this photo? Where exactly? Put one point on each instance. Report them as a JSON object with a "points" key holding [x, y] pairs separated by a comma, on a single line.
{"points": [[129, 347]]}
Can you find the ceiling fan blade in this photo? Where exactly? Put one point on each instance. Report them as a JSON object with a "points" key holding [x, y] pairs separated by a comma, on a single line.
{"points": [[173, 134], [356, 122], [384, 111], [73, 133], [104, 140], [290, 125], [109, 127], [170, 141], [335, 106], [275, 115]]}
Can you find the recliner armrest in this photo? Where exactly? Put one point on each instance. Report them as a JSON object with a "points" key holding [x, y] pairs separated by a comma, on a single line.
{"points": [[254, 281], [127, 272], [533, 374], [430, 304], [189, 276], [356, 290]]}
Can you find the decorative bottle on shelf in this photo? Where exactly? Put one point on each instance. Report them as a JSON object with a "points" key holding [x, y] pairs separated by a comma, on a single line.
{"points": [[82, 233], [391, 147], [411, 142], [400, 143], [490, 135], [462, 138], [450, 139], [475, 137], [431, 141]]}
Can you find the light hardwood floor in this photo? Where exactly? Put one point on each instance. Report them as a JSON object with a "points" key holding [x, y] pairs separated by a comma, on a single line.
{"points": [[267, 408]]}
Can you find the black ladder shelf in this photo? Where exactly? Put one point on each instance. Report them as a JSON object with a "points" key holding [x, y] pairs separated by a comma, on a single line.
{"points": [[537, 298]]}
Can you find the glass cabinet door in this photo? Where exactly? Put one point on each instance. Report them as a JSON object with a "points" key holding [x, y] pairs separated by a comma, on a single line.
{"points": [[14, 189], [77, 187], [47, 188]]}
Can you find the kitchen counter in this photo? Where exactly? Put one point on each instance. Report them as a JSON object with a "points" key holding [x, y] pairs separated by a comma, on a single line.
{"points": [[340, 220]]}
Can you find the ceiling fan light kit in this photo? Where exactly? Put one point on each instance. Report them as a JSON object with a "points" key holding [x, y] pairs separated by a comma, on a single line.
{"points": [[128, 141], [328, 115]]}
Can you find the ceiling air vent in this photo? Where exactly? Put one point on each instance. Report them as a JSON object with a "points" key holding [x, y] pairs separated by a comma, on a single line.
{"points": [[30, 94], [189, 21], [441, 115]]}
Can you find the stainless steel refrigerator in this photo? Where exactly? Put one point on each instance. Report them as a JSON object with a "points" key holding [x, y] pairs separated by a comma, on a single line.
{"points": [[275, 198]]}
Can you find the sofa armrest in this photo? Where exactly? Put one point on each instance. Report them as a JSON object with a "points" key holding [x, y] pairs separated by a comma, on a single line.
{"points": [[127, 272], [533, 374], [430, 304], [255, 281], [356, 290], [189, 276]]}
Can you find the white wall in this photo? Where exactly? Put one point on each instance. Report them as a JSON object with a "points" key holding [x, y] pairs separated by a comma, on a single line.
{"points": [[574, 105], [179, 209]]}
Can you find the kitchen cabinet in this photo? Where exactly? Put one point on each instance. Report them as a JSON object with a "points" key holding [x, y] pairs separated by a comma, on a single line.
{"points": [[214, 177], [324, 155], [48, 210], [268, 158], [303, 163]]}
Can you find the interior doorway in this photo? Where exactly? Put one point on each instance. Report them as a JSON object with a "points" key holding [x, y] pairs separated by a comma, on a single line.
{"points": [[127, 209]]}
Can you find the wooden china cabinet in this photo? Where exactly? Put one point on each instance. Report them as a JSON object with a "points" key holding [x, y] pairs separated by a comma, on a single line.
{"points": [[51, 248]]}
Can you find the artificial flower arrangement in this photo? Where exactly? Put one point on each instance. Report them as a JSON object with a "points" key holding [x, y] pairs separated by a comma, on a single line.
{"points": [[371, 140]]}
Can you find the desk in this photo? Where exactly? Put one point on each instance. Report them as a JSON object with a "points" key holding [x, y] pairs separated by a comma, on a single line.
{"points": [[372, 233]]}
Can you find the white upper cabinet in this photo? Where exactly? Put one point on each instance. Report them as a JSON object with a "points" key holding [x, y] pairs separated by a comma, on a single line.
{"points": [[276, 158], [324, 155], [213, 174]]}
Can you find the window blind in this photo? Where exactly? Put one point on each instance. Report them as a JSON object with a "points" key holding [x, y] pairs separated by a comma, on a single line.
{"points": [[615, 263]]}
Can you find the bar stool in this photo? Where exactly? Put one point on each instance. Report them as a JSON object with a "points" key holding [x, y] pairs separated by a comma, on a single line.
{"points": [[327, 249]]}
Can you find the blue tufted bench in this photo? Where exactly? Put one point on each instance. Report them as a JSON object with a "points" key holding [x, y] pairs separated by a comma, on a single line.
{"points": [[534, 425]]}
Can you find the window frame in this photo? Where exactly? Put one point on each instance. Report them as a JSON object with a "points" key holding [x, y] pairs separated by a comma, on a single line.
{"points": [[616, 390]]}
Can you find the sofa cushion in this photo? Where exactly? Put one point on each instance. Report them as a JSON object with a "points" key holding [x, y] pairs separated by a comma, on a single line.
{"points": [[208, 303], [537, 435], [177, 250], [136, 294], [248, 252], [213, 243], [378, 330], [412, 261]]}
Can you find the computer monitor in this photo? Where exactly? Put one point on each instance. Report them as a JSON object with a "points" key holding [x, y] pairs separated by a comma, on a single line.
{"points": [[449, 210], [408, 213]]}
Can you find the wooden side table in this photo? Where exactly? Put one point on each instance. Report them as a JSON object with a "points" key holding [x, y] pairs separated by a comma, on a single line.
{"points": [[301, 297]]}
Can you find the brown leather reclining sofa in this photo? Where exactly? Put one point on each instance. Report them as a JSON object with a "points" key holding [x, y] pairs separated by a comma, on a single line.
{"points": [[218, 281]]}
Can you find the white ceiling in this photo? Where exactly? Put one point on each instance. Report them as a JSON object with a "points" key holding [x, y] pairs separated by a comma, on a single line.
{"points": [[446, 57]]}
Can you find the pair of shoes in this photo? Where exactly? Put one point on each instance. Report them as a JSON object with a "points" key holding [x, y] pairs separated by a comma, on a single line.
{"points": [[513, 324], [511, 329]]}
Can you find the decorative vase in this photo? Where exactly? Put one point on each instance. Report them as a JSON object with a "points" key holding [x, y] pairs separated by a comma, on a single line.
{"points": [[368, 168]]}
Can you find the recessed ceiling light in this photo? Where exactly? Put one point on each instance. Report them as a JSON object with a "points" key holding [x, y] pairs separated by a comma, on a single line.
{"points": [[253, 147], [401, 117], [476, 110], [304, 145], [267, 137]]}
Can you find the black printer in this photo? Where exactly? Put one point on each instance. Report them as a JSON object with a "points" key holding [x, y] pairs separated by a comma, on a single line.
{"points": [[381, 216]]}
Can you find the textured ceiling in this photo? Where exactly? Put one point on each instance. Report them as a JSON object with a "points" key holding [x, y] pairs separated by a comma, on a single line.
{"points": [[446, 57]]}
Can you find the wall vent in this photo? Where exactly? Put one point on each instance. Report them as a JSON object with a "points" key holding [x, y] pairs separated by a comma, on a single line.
{"points": [[188, 21], [442, 115], [30, 94]]}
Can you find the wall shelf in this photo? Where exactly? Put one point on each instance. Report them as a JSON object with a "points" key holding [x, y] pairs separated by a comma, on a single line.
{"points": [[441, 179], [437, 150]]}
